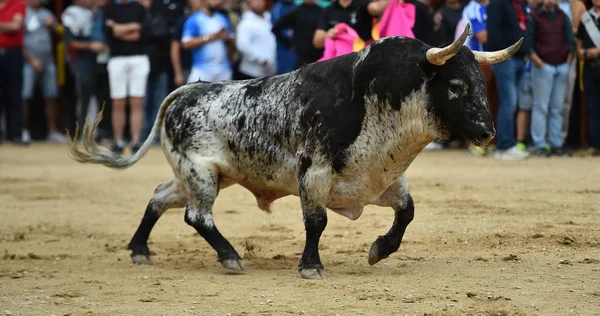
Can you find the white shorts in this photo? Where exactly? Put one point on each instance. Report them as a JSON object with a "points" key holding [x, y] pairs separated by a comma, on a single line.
{"points": [[128, 75], [197, 74]]}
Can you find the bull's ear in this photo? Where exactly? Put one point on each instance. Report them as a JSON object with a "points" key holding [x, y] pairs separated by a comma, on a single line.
{"points": [[427, 71]]}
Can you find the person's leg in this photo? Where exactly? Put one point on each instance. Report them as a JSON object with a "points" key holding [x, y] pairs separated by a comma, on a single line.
{"points": [[118, 92], [149, 101], [555, 109], [50, 92], [591, 80], [566, 108], [14, 87], [222, 76], [138, 78], [29, 79], [155, 94], [525, 104], [86, 82], [543, 80], [507, 75], [102, 93]]}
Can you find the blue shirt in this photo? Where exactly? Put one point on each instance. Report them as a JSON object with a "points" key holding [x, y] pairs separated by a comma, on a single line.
{"points": [[475, 14], [210, 57]]}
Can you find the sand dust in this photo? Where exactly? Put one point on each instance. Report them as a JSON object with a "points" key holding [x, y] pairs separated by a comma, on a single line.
{"points": [[489, 237]]}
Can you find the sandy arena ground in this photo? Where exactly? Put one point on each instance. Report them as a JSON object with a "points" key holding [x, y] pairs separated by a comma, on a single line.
{"points": [[489, 237]]}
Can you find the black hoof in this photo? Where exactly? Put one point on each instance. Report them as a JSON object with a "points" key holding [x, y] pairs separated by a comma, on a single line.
{"points": [[313, 274], [381, 249], [140, 254]]}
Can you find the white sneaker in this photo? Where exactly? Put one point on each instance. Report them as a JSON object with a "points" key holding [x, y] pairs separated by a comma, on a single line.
{"points": [[513, 153], [434, 146], [56, 138], [25, 137]]}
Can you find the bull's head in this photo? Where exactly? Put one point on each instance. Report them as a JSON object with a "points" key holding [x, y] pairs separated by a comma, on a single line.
{"points": [[457, 89]]}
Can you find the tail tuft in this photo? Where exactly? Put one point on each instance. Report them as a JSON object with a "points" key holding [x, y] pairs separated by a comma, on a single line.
{"points": [[91, 152]]}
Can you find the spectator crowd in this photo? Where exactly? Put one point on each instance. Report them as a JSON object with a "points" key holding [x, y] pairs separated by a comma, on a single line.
{"points": [[129, 54]]}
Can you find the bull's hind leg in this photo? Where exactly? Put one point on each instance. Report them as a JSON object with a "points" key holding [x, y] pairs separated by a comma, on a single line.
{"points": [[167, 195], [398, 197], [202, 183]]}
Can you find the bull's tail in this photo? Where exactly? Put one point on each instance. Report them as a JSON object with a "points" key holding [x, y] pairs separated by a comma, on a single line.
{"points": [[92, 153]]}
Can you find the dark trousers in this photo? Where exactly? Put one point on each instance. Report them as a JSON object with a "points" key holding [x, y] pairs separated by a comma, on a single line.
{"points": [[11, 83], [85, 86], [102, 93], [591, 90]]}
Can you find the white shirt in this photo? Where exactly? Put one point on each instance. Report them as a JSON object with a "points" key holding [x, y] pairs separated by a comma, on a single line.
{"points": [[257, 44]]}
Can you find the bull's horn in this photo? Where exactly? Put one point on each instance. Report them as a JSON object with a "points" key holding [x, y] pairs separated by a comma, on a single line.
{"points": [[489, 58], [438, 56]]}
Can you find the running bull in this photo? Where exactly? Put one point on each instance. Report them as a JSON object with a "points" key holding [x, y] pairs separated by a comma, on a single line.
{"points": [[339, 134]]}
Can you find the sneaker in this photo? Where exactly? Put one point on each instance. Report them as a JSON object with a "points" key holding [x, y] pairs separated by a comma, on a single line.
{"points": [[25, 137], [135, 147], [560, 152], [118, 148], [56, 138], [541, 152], [434, 146], [476, 151], [521, 146], [512, 153]]}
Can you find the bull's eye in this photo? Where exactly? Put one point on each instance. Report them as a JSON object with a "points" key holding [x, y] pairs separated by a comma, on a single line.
{"points": [[456, 89]]}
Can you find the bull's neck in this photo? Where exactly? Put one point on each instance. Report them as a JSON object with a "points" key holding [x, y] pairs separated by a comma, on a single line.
{"points": [[392, 138]]}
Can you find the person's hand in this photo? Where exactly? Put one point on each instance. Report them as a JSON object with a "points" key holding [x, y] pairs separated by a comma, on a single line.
{"points": [[331, 32], [594, 53], [222, 34], [110, 23], [49, 21], [437, 18], [96, 47], [37, 65], [179, 80]]}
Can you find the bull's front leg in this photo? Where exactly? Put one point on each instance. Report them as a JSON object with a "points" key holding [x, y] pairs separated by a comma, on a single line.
{"points": [[314, 187], [398, 197]]}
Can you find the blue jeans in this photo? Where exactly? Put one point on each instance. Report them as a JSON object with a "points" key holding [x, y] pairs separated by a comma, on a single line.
{"points": [[591, 84], [549, 88], [508, 76], [156, 92]]}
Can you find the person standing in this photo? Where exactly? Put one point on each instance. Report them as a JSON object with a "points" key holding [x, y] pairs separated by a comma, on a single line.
{"points": [[550, 29], [181, 58], [128, 68], [208, 33], [286, 57], [588, 49], [303, 21], [39, 26], [12, 14], [256, 43], [358, 14], [78, 22], [506, 24]]}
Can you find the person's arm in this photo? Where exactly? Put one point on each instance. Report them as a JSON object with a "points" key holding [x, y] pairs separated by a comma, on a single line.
{"points": [[287, 20], [35, 63], [585, 53], [14, 25], [478, 29], [323, 32], [377, 7], [577, 9], [569, 38]]}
